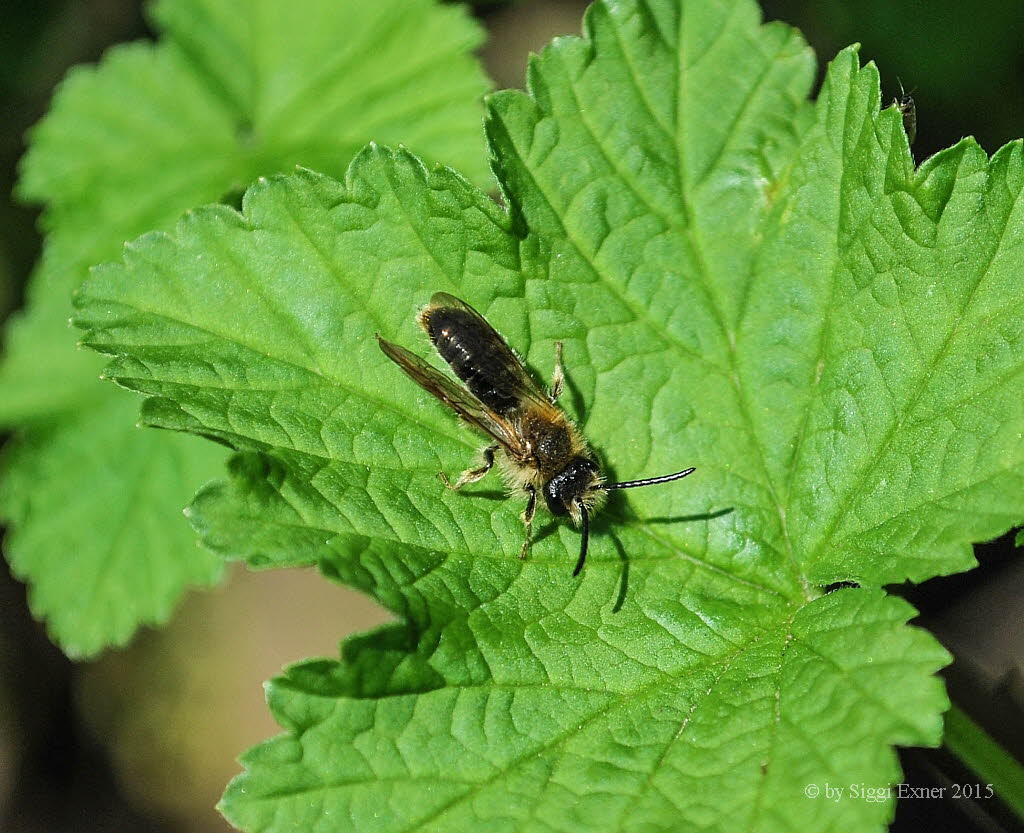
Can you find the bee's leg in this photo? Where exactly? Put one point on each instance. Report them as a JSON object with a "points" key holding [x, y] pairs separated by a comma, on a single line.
{"points": [[471, 475], [558, 377], [531, 507]]}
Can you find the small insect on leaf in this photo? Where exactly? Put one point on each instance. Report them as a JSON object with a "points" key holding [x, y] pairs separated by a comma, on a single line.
{"points": [[908, 109], [537, 446]]}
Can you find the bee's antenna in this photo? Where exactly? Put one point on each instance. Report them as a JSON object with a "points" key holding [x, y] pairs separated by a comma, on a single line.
{"points": [[649, 481], [584, 540]]}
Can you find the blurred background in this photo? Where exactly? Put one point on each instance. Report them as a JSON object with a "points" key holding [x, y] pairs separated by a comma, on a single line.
{"points": [[144, 738]]}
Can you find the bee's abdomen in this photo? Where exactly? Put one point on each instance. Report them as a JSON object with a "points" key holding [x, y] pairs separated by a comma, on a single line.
{"points": [[474, 357]]}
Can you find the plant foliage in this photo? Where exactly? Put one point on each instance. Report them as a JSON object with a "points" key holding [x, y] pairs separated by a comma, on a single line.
{"points": [[747, 282], [232, 91]]}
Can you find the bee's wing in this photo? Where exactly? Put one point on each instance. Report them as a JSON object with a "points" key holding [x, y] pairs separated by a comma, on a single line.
{"points": [[458, 399], [523, 385]]}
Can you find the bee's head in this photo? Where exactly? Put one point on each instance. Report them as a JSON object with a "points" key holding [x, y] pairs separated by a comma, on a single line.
{"points": [[578, 483], [578, 489]]}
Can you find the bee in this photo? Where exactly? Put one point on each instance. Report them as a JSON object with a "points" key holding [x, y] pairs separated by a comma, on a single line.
{"points": [[537, 446]]}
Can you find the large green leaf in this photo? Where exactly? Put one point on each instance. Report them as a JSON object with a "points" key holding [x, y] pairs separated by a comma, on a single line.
{"points": [[762, 288], [95, 590], [231, 92]]}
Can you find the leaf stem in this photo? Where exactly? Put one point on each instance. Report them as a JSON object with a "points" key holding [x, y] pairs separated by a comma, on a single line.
{"points": [[979, 750]]}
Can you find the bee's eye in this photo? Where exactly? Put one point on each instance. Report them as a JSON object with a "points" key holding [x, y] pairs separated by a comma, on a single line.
{"points": [[556, 505]]}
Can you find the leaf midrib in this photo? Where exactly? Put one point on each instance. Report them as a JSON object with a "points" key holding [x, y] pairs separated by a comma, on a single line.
{"points": [[739, 391], [613, 701]]}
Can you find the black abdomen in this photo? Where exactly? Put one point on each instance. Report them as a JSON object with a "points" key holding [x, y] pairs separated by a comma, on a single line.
{"points": [[476, 355]]}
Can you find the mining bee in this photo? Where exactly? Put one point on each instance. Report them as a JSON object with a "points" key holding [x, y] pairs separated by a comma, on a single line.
{"points": [[537, 446]]}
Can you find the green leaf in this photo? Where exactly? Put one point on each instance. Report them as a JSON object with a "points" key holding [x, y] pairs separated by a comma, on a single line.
{"points": [[745, 282], [42, 376], [235, 90], [95, 590], [232, 91]]}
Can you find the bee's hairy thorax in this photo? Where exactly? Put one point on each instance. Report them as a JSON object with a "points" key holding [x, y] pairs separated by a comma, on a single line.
{"points": [[552, 442]]}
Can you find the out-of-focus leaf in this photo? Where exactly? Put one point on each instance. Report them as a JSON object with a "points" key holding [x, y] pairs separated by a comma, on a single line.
{"points": [[232, 91]]}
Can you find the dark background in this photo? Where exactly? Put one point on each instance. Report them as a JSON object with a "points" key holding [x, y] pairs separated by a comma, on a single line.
{"points": [[143, 739]]}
